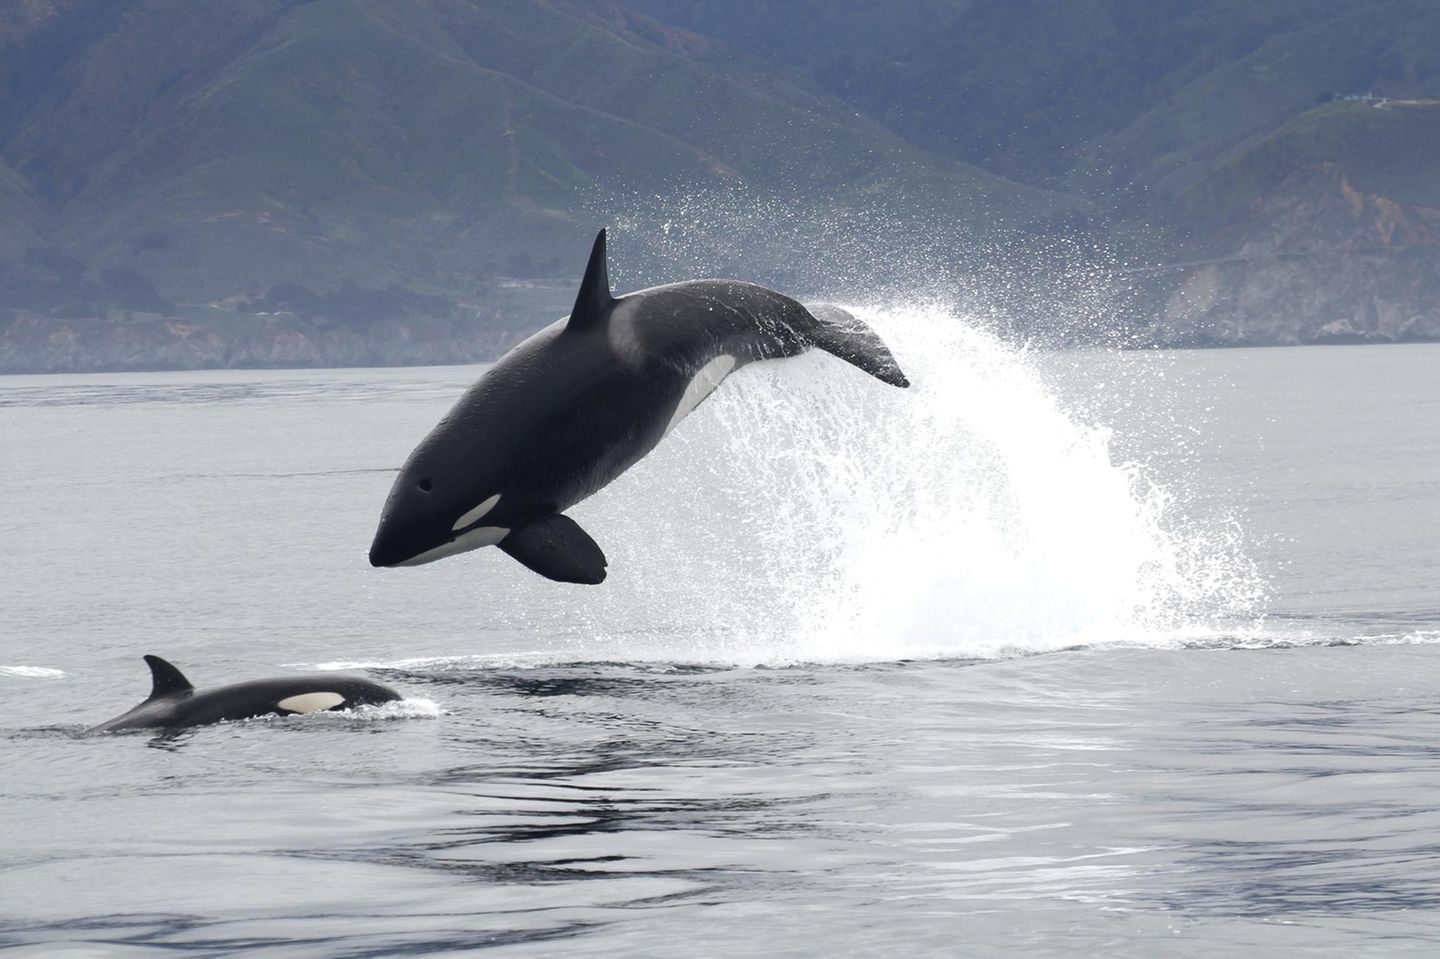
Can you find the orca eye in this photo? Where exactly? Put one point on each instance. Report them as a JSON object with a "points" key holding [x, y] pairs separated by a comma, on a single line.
{"points": [[425, 485]]}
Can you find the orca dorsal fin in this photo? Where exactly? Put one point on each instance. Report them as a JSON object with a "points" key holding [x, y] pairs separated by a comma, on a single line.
{"points": [[167, 680], [593, 302]]}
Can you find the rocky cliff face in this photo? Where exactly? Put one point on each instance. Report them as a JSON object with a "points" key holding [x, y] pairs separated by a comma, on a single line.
{"points": [[1317, 261]]}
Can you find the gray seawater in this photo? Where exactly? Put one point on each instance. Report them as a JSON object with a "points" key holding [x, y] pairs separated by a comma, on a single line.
{"points": [[1058, 654]]}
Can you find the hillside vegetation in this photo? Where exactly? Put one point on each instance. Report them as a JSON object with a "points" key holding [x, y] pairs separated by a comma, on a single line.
{"points": [[212, 152], [1093, 93], [316, 181]]}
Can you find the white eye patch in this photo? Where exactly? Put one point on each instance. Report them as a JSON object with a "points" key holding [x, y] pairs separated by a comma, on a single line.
{"points": [[310, 702], [472, 515]]}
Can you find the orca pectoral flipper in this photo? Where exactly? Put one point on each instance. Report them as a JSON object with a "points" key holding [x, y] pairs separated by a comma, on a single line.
{"points": [[839, 333], [557, 548]]}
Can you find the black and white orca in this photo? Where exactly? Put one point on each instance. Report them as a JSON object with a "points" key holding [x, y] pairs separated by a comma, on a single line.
{"points": [[173, 702], [574, 406]]}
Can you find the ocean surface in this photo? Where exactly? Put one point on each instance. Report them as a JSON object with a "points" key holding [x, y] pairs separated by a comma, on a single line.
{"points": [[1054, 654]]}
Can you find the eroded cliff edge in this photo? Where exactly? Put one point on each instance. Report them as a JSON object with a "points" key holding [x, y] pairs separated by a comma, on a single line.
{"points": [[1320, 261]]}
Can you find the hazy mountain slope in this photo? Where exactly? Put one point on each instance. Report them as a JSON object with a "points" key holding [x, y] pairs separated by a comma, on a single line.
{"points": [[1390, 48], [370, 180], [1391, 149], [1095, 92], [95, 75], [19, 212], [220, 148]]}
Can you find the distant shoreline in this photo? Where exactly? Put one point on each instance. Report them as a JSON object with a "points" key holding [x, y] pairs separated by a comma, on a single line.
{"points": [[481, 360]]}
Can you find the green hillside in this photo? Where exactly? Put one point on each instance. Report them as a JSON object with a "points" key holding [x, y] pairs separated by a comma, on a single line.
{"points": [[219, 150], [1092, 94], [1391, 150], [1385, 48], [369, 180], [20, 214]]}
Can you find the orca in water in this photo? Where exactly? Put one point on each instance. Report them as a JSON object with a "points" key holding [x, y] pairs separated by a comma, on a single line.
{"points": [[580, 402], [173, 703]]}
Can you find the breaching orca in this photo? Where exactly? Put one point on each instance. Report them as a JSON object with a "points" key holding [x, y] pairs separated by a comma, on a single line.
{"points": [[173, 703], [580, 402]]}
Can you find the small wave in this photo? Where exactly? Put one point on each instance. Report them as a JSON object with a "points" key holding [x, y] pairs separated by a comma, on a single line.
{"points": [[689, 660], [1418, 637], [32, 672], [1285, 636], [532, 659], [418, 662], [400, 709]]}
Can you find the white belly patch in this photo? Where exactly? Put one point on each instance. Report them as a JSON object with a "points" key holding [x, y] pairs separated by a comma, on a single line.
{"points": [[310, 702], [701, 385], [468, 540]]}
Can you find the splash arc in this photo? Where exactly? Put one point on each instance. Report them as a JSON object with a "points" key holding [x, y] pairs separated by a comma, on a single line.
{"points": [[174, 703], [574, 406]]}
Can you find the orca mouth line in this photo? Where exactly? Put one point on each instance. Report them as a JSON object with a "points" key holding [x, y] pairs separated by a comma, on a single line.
{"points": [[473, 538]]}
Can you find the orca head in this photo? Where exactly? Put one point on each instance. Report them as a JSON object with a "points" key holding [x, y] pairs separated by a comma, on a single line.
{"points": [[438, 506]]}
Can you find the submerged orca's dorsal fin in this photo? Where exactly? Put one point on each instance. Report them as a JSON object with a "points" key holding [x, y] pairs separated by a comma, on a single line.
{"points": [[168, 681], [593, 302]]}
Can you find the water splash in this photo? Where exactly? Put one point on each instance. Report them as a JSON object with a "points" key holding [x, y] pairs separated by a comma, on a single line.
{"points": [[32, 672], [807, 512], [409, 708]]}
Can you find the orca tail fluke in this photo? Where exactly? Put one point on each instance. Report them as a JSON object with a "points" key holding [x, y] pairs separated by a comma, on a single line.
{"points": [[839, 333]]}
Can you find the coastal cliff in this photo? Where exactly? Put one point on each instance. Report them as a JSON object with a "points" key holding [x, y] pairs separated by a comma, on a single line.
{"points": [[1320, 261]]}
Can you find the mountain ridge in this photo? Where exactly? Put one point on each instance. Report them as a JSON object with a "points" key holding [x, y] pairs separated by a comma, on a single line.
{"points": [[325, 161]]}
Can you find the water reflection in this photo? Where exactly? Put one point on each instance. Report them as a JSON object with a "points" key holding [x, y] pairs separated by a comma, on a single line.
{"points": [[1320, 808], [585, 800]]}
